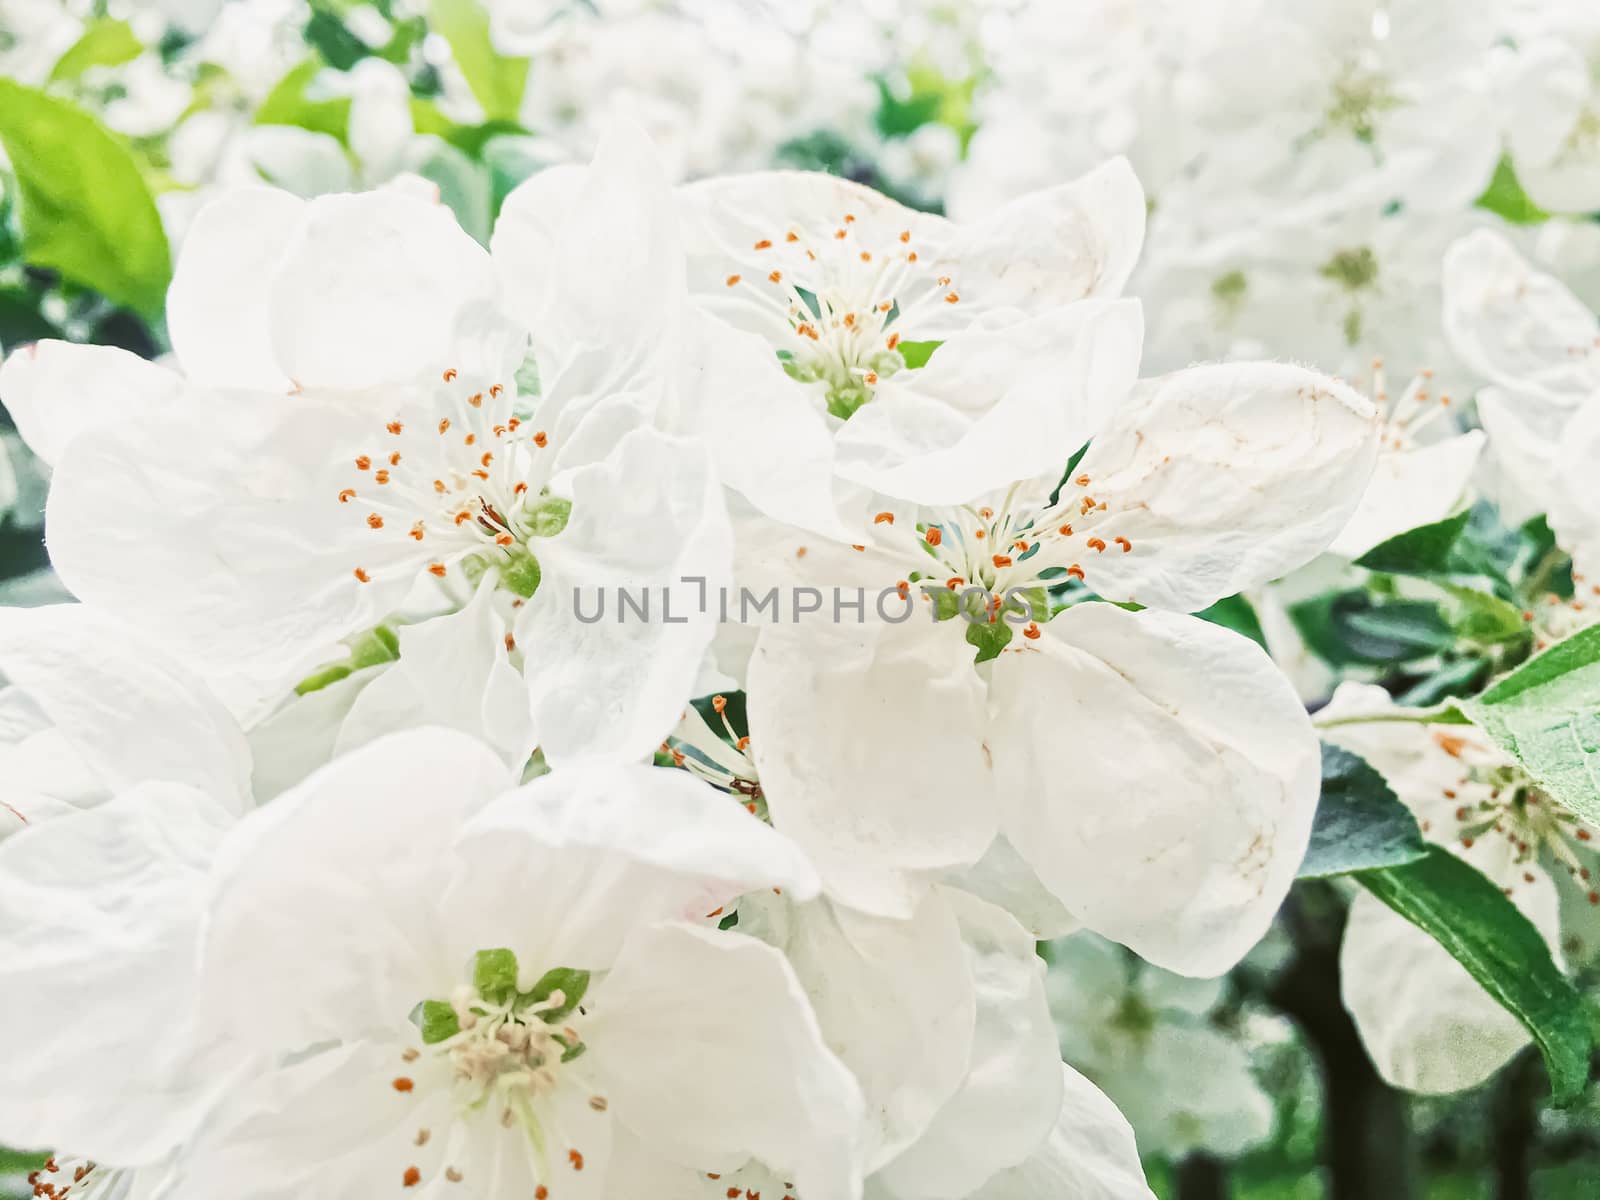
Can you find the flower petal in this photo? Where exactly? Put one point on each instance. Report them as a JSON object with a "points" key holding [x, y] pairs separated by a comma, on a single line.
{"points": [[611, 847], [1223, 477], [218, 304], [128, 715], [649, 522], [100, 914], [868, 741], [347, 311], [1427, 1024], [1012, 1094], [56, 390], [325, 907], [1175, 817], [1411, 488], [708, 1050], [1090, 1155]]}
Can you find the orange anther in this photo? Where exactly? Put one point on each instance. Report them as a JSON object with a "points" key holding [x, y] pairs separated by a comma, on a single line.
{"points": [[412, 1177], [954, 582], [1076, 572], [469, 439], [347, 495], [894, 340], [438, 485], [775, 277], [849, 218], [1096, 544], [449, 374], [444, 424], [417, 530], [866, 256], [905, 235], [381, 477], [394, 427], [933, 536], [363, 463], [363, 576], [1030, 630], [403, 1084], [576, 1159], [503, 539], [495, 389], [488, 457], [374, 521], [394, 459], [1002, 560], [476, 399], [791, 237], [764, 244], [839, 233], [1082, 481], [1124, 543], [732, 279], [951, 298], [912, 257], [1065, 531], [541, 440], [719, 704], [883, 518], [436, 569]]}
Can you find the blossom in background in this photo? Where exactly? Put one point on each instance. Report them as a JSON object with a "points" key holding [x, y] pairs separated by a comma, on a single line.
{"points": [[1428, 1025], [1148, 1038], [1554, 132]]}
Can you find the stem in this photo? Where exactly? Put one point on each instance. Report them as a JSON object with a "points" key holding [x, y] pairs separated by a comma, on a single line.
{"points": [[1367, 1145], [1436, 714], [1201, 1177], [1514, 1125]]}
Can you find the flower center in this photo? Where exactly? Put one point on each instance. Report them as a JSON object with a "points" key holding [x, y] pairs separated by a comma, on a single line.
{"points": [[846, 297], [61, 1177], [505, 1051], [1361, 95], [1495, 799], [1415, 408], [459, 478]]}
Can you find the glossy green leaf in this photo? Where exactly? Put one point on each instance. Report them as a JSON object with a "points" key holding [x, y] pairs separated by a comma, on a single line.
{"points": [[1546, 715], [1238, 614], [1421, 551], [1471, 918], [288, 104], [1361, 824], [86, 211]]}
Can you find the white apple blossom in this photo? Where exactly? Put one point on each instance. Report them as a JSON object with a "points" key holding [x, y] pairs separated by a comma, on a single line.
{"points": [[1426, 1022], [1554, 131], [383, 458], [1171, 821], [522, 984]]}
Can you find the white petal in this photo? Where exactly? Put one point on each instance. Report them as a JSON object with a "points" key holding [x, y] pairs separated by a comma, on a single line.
{"points": [[1090, 1154], [454, 671], [1003, 878], [350, 308], [1515, 325], [591, 263], [1574, 511], [130, 716], [100, 916], [325, 908], [897, 1004], [648, 521], [1411, 488], [995, 406], [55, 391], [611, 848], [868, 741], [1223, 477], [291, 742], [1012, 1094], [709, 1050], [1054, 246], [1175, 814], [1524, 429], [217, 306], [1427, 1024]]}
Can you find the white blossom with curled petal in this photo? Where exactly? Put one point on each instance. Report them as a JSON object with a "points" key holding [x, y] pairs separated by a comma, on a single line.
{"points": [[1426, 1022], [1095, 745]]}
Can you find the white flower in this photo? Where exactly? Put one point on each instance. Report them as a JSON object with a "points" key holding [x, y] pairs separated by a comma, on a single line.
{"points": [[1422, 473], [394, 462], [1099, 743], [842, 284], [454, 986], [1539, 346], [1426, 1022], [1554, 130], [1146, 1037]]}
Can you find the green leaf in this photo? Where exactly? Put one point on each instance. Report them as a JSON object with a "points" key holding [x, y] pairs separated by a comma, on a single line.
{"points": [[1546, 715], [369, 649], [1424, 550], [1479, 617], [287, 104], [437, 1020], [1238, 614], [990, 637], [106, 42], [494, 974], [1361, 823], [917, 354], [332, 38], [1471, 918], [495, 80], [86, 212], [1351, 627], [571, 984], [1504, 197]]}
